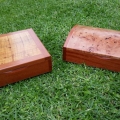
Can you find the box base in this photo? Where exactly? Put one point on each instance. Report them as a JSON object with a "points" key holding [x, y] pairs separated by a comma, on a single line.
{"points": [[91, 60], [25, 72]]}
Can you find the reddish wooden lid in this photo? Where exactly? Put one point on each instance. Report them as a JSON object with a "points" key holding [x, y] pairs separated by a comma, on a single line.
{"points": [[20, 48], [94, 40]]}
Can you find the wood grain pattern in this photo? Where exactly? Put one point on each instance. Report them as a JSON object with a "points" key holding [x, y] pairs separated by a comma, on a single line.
{"points": [[22, 55], [16, 47], [94, 46]]}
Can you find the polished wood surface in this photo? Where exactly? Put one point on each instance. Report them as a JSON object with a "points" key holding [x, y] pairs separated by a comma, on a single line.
{"points": [[94, 46], [22, 55], [17, 47]]}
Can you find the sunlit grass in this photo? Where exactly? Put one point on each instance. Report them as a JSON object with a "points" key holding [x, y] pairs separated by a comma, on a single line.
{"points": [[70, 91]]}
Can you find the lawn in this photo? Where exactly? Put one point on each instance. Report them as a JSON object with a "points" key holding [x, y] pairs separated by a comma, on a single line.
{"points": [[70, 91]]}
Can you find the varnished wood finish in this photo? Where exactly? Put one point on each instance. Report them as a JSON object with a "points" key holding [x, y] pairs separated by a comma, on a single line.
{"points": [[22, 55], [95, 47]]}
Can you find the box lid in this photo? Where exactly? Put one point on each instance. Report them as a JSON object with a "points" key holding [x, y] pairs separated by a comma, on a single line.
{"points": [[97, 41], [21, 48]]}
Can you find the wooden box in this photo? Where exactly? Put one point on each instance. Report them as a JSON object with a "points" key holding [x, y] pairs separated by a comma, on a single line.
{"points": [[95, 47], [22, 55]]}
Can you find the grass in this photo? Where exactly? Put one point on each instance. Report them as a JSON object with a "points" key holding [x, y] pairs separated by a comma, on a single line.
{"points": [[70, 91]]}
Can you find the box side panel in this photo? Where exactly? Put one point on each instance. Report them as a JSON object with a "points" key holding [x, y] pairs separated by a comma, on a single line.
{"points": [[25, 72], [64, 53], [49, 63], [92, 60]]}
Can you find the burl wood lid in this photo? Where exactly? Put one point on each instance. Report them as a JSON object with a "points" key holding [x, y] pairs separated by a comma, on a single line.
{"points": [[94, 40], [20, 47]]}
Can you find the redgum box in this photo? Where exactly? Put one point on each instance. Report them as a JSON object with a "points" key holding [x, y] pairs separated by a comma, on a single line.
{"points": [[95, 47], [22, 55]]}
